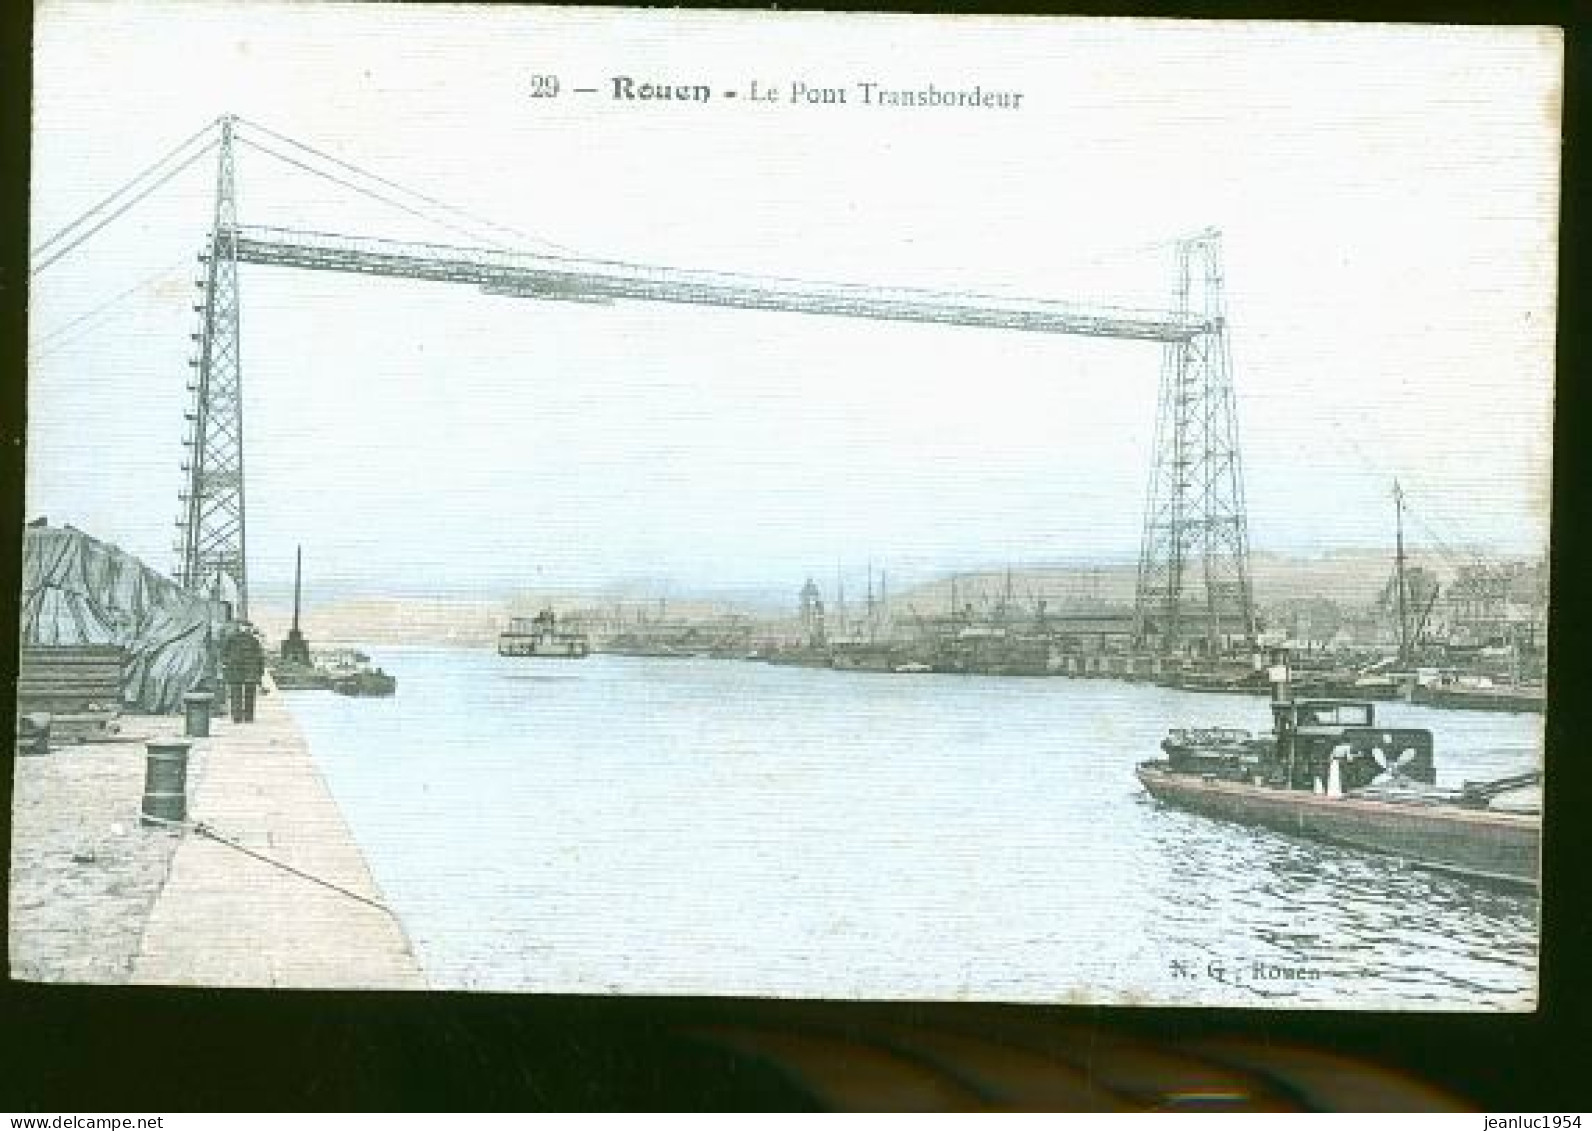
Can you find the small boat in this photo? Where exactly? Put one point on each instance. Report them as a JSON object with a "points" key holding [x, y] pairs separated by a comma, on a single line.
{"points": [[368, 683], [346, 671], [1518, 699], [806, 656], [1329, 772], [541, 636], [863, 656], [291, 675]]}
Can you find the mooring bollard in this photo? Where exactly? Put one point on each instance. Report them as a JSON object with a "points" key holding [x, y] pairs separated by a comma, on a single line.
{"points": [[33, 734], [166, 780], [196, 705]]}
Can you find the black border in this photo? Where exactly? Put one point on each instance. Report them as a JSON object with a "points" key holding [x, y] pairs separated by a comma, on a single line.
{"points": [[143, 1050]]}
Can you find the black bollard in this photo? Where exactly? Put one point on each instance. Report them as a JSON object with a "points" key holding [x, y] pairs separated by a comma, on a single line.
{"points": [[165, 780], [33, 734], [196, 706]]}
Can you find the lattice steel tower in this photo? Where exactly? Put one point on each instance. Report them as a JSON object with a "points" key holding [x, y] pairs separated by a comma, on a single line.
{"points": [[210, 549], [1194, 581]]}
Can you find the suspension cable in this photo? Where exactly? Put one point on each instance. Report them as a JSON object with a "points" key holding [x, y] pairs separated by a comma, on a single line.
{"points": [[80, 239], [249, 124], [433, 201], [42, 247], [53, 340], [257, 147]]}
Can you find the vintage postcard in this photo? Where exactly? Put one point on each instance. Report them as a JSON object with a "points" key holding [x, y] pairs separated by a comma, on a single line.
{"points": [[787, 504]]}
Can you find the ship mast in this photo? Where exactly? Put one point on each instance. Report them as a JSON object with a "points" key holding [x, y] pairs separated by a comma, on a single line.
{"points": [[298, 578], [295, 649], [872, 624], [1404, 629]]}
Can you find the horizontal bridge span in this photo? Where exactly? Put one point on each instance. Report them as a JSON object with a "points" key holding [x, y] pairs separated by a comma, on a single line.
{"points": [[603, 281]]}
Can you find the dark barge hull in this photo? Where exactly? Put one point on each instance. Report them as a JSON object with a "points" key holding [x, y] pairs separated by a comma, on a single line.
{"points": [[365, 685], [554, 650], [296, 678], [1482, 699], [1483, 844]]}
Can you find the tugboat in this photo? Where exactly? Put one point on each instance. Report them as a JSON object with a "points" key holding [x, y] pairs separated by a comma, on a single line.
{"points": [[541, 636], [1328, 772]]}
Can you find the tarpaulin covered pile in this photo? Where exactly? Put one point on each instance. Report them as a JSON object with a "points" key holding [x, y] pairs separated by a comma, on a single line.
{"points": [[79, 590]]}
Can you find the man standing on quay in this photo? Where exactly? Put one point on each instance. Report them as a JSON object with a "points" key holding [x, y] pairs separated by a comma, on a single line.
{"points": [[242, 667]]}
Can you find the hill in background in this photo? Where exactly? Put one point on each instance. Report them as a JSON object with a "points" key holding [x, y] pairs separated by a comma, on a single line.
{"points": [[1350, 577]]}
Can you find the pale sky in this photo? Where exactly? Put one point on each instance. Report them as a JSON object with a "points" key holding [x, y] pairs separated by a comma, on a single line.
{"points": [[1387, 198]]}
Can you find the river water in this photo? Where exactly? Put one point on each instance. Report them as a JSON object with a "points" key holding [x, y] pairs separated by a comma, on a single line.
{"points": [[673, 826]]}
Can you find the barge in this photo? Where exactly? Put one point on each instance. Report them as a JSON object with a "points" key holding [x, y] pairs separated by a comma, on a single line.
{"points": [[1329, 772]]}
